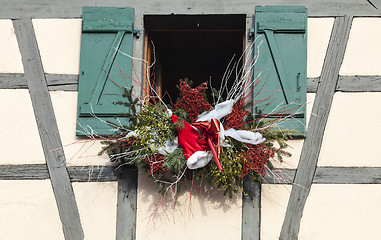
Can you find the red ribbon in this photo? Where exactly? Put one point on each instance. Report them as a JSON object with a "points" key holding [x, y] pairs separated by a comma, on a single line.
{"points": [[210, 136]]}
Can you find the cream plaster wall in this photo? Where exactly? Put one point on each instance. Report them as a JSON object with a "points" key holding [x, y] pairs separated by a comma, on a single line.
{"points": [[362, 55], [209, 214], [28, 210], [59, 42], [274, 200], [20, 140], [296, 145], [352, 134], [78, 151], [10, 61], [97, 203], [318, 35], [338, 211]]}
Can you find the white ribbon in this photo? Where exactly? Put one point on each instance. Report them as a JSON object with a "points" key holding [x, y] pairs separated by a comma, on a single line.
{"points": [[201, 158]]}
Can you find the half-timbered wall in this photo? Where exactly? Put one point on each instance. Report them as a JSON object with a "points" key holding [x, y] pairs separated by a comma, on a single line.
{"points": [[53, 185]]}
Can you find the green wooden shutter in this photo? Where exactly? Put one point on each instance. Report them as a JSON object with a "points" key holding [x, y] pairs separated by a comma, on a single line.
{"points": [[281, 48], [107, 33]]}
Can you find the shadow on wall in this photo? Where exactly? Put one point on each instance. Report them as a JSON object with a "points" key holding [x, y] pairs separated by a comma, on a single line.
{"points": [[196, 199]]}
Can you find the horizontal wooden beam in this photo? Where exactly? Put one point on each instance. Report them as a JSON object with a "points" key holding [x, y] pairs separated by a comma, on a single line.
{"points": [[76, 173], [65, 82], [329, 175], [73, 8], [13, 81], [359, 84], [323, 175], [69, 82]]}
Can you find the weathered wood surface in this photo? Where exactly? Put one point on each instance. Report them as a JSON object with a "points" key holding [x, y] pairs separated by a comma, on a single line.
{"points": [[251, 210], [323, 175], [92, 173], [73, 8], [76, 173], [65, 82], [330, 175], [315, 132], [127, 203], [48, 129], [348, 175], [13, 81], [359, 84], [69, 82], [312, 84]]}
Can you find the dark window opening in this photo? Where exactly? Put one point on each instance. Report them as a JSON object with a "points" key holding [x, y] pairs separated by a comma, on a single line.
{"points": [[193, 47]]}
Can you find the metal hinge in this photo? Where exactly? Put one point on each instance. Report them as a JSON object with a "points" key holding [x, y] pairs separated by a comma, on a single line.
{"points": [[137, 31]]}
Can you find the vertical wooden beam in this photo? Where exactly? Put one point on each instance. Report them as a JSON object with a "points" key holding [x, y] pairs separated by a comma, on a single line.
{"points": [[251, 210], [319, 117], [48, 129], [127, 200]]}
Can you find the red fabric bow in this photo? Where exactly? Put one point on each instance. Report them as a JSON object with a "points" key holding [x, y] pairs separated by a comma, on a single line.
{"points": [[209, 135], [191, 141]]}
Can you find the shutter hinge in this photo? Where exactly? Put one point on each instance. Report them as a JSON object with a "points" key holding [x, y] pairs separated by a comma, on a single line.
{"points": [[137, 31], [251, 34]]}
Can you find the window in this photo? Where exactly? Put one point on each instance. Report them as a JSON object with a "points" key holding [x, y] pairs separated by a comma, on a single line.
{"points": [[194, 47]]}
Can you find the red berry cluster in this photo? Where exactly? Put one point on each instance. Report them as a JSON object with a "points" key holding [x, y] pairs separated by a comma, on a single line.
{"points": [[255, 158], [192, 100], [156, 164], [236, 117]]}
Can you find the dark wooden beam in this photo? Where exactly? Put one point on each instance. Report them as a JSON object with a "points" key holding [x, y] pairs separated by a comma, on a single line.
{"points": [[359, 84], [13, 81], [65, 82], [251, 210], [73, 8], [311, 148], [48, 129], [323, 175], [69, 82], [127, 203], [76, 173]]}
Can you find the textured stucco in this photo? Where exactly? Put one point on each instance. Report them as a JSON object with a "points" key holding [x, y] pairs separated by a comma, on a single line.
{"points": [[318, 35], [362, 55], [19, 138], [78, 151], [339, 211], [10, 60], [206, 215], [352, 135], [97, 208], [274, 200], [59, 42], [28, 211]]}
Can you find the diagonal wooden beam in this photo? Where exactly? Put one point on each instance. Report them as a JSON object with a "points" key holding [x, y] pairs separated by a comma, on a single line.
{"points": [[48, 129], [311, 148]]}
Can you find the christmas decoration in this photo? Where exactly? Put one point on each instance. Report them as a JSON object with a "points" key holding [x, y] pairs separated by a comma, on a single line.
{"points": [[172, 142]]}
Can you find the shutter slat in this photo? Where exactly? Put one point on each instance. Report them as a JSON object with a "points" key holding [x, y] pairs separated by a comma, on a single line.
{"points": [[107, 19], [103, 77], [280, 69], [103, 70], [281, 48]]}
